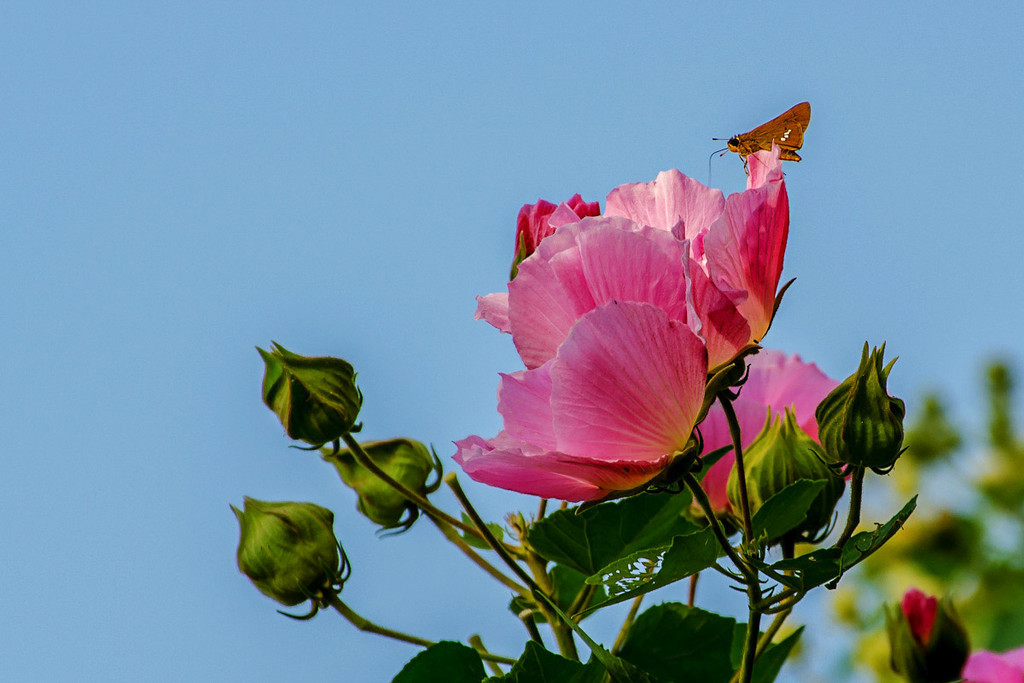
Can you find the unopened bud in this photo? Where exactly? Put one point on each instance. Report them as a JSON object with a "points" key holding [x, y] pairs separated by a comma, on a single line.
{"points": [[859, 423], [781, 455], [408, 462], [927, 640], [316, 399], [289, 551]]}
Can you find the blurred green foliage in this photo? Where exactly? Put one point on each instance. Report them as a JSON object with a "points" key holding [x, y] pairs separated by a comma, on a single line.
{"points": [[967, 539]]}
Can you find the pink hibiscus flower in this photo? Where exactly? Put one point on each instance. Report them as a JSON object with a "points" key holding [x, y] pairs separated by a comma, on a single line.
{"points": [[618, 320], [990, 667]]}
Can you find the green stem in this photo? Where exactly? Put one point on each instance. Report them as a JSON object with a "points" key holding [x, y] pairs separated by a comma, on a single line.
{"points": [[741, 474], [364, 624], [853, 518], [716, 527], [753, 629], [365, 461], [526, 616], [477, 643], [620, 640], [457, 540], [544, 602]]}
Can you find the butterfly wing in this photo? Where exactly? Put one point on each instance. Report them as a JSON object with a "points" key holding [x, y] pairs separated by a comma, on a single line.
{"points": [[786, 130]]}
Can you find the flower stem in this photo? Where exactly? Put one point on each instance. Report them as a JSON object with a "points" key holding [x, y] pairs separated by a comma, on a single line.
{"points": [[716, 527], [364, 624], [853, 518], [457, 540], [544, 602], [737, 444], [477, 643], [620, 640], [365, 461]]}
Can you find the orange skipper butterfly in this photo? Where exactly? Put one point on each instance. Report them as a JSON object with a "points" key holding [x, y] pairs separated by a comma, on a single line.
{"points": [[786, 130]]}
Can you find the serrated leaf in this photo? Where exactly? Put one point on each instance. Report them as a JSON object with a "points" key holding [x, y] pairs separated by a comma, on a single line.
{"points": [[786, 509], [597, 537], [470, 539], [673, 642], [445, 662], [822, 566], [649, 570]]}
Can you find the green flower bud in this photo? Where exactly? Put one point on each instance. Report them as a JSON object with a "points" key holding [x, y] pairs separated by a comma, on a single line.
{"points": [[288, 550], [859, 423], [316, 399], [408, 462], [783, 454], [927, 641]]}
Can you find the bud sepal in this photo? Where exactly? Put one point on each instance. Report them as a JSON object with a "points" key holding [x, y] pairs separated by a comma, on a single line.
{"points": [[859, 423], [316, 399], [408, 462], [781, 455], [290, 553]]}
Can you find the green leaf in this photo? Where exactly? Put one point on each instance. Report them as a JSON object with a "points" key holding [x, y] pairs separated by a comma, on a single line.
{"points": [[537, 665], [597, 537], [567, 585], [471, 539], [768, 665], [786, 509], [445, 662], [649, 570], [822, 566], [674, 642]]}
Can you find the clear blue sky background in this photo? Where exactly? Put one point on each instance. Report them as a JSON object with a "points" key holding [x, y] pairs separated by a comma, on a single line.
{"points": [[181, 183]]}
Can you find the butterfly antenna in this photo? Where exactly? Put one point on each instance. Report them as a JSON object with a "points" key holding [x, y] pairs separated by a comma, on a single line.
{"points": [[724, 149]]}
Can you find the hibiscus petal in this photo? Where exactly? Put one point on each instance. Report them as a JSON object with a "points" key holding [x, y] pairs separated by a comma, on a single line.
{"points": [[745, 248], [764, 166], [524, 399], [782, 381], [989, 667], [587, 264], [669, 199], [550, 474], [494, 309], [723, 328], [627, 383]]}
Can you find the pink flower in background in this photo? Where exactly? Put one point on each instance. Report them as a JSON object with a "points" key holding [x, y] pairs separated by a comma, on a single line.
{"points": [[776, 381], [990, 667], [618, 319], [537, 221]]}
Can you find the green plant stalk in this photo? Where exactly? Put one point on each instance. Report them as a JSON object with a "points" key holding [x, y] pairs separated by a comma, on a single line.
{"points": [[475, 557], [741, 474], [364, 624], [363, 459], [853, 518], [620, 640], [544, 602], [477, 643], [746, 671], [716, 526]]}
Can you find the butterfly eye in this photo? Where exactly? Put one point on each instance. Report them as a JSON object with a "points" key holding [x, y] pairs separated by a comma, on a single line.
{"points": [[733, 141]]}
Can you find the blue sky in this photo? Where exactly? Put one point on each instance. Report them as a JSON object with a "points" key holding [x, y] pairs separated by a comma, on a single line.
{"points": [[180, 183]]}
